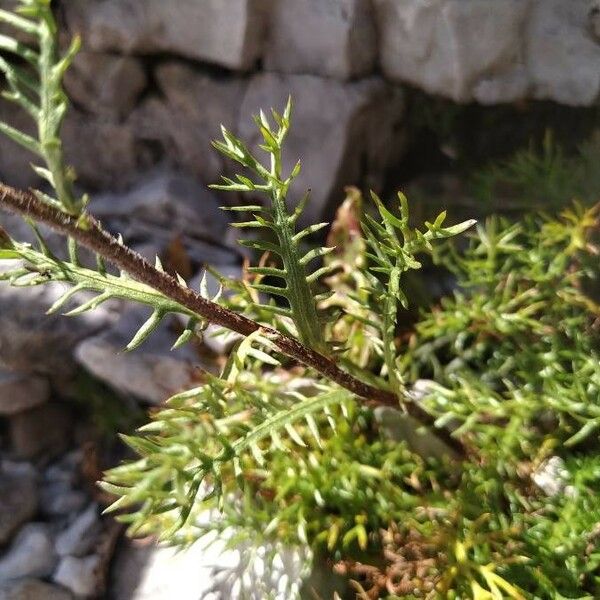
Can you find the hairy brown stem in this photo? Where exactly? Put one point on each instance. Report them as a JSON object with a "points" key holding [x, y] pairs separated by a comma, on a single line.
{"points": [[88, 232]]}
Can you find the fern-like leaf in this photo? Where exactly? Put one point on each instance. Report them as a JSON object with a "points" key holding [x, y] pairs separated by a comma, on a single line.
{"points": [[393, 246], [236, 425], [293, 279]]}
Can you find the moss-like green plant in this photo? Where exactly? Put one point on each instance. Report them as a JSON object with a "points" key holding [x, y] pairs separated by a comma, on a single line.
{"points": [[544, 177], [308, 435]]}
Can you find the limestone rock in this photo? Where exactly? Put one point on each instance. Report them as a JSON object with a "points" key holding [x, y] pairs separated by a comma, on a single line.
{"points": [[66, 469], [27, 333], [18, 393], [59, 495], [333, 38], [166, 199], [150, 573], [563, 58], [105, 84], [492, 51], [229, 33], [594, 19], [189, 116], [400, 427], [147, 572], [104, 153], [30, 555], [13, 32], [81, 535], [19, 503], [8, 4], [44, 430], [166, 214], [150, 373], [553, 477], [59, 500], [448, 46], [32, 589], [343, 132], [79, 575]]}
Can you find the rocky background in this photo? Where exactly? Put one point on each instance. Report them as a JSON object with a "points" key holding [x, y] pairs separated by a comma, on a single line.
{"points": [[149, 90]]}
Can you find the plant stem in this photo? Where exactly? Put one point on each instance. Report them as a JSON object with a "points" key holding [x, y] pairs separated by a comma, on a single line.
{"points": [[89, 233]]}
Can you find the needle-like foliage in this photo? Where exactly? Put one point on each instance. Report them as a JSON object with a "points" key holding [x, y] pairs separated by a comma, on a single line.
{"points": [[313, 434]]}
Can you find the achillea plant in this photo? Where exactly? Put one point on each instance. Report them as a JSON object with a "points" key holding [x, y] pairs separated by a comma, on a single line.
{"points": [[292, 443]]}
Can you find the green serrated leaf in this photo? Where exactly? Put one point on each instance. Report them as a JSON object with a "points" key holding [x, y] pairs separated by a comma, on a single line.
{"points": [[146, 330]]}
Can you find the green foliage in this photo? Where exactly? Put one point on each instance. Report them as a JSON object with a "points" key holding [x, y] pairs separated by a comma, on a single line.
{"points": [[41, 266], [35, 84], [519, 340], [209, 441], [542, 177], [515, 355], [289, 457], [278, 220], [393, 246]]}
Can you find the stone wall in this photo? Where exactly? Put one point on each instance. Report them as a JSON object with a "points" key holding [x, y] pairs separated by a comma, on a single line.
{"points": [[157, 77]]}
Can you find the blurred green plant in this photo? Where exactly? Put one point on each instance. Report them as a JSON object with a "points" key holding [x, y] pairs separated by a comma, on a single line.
{"points": [[543, 177]]}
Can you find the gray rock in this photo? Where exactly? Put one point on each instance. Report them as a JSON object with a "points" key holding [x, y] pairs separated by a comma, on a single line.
{"points": [[208, 570], [420, 389], [18, 393], [32, 589], [66, 469], [157, 573], [30, 555], [150, 373], [492, 51], [343, 132], [196, 250], [95, 166], [219, 340], [166, 208], [333, 38], [188, 117], [447, 46], [79, 575], [105, 84], [31, 341], [594, 19], [563, 59], [228, 34], [81, 535], [18, 505], [60, 500], [18, 469], [22, 232], [552, 477], [400, 427], [21, 36], [163, 198], [40, 432], [151, 573]]}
